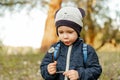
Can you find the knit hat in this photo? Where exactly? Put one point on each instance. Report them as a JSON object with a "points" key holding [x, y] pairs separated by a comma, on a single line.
{"points": [[70, 17]]}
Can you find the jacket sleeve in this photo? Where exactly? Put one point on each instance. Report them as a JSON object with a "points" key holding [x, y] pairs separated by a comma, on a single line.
{"points": [[43, 67], [93, 68]]}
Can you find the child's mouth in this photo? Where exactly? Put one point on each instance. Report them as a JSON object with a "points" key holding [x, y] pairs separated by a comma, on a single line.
{"points": [[67, 43]]}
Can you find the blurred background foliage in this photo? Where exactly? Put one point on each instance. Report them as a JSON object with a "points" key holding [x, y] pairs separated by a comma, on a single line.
{"points": [[101, 21], [101, 30]]}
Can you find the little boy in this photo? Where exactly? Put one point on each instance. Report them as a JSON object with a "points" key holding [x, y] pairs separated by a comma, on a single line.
{"points": [[69, 63]]}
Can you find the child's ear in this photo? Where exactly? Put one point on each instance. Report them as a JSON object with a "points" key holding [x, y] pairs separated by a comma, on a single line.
{"points": [[82, 12]]}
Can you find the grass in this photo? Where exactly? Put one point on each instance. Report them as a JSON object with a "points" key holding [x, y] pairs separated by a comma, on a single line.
{"points": [[26, 67], [20, 67], [110, 65]]}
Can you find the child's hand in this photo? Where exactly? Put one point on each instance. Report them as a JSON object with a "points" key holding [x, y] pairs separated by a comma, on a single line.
{"points": [[52, 68], [71, 74]]}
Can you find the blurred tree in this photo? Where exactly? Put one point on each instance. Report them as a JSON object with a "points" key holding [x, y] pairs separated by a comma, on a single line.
{"points": [[90, 33], [50, 36], [110, 27], [18, 5], [97, 18], [96, 15]]}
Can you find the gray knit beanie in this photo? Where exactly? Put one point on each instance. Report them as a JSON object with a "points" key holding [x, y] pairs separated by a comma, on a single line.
{"points": [[70, 17]]}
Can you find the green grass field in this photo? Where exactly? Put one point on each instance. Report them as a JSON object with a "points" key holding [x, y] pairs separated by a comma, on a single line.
{"points": [[20, 67], [26, 67]]}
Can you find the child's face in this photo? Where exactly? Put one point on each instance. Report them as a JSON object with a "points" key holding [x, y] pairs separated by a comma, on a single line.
{"points": [[67, 35]]}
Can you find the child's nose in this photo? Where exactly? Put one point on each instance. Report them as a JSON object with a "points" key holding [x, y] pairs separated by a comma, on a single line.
{"points": [[65, 35]]}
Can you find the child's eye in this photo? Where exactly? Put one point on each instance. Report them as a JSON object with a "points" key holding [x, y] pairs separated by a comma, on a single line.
{"points": [[60, 32], [70, 32]]}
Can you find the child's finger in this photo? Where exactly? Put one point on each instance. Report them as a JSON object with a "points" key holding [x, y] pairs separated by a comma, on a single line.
{"points": [[55, 63]]}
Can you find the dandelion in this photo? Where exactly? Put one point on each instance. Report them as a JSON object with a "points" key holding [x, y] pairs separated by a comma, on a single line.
{"points": [[25, 62], [51, 50]]}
